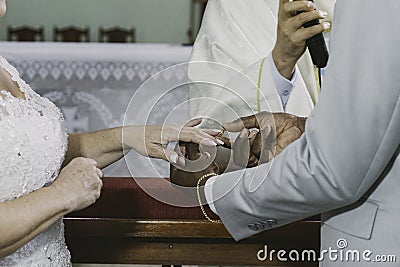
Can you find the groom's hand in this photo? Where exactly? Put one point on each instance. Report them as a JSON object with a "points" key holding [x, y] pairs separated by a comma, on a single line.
{"points": [[276, 131], [291, 35]]}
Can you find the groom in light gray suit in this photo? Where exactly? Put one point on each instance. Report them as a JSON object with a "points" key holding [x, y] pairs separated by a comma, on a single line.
{"points": [[346, 165]]}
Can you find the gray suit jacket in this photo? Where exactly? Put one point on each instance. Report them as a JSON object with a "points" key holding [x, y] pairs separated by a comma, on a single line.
{"points": [[346, 165]]}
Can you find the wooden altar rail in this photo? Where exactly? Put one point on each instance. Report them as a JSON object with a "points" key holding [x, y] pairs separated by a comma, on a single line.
{"points": [[98, 239]]}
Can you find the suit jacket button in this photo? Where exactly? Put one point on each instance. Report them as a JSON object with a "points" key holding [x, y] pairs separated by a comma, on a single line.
{"points": [[260, 226], [270, 222], [253, 226]]}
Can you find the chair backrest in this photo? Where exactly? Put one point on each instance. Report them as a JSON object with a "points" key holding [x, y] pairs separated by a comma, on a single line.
{"points": [[71, 34], [25, 34], [117, 35]]}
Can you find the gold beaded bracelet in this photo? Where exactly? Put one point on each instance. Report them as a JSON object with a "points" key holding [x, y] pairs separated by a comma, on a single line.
{"points": [[199, 198]]}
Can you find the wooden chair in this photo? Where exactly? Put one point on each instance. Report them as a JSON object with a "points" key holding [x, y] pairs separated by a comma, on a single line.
{"points": [[197, 9], [71, 34], [117, 35], [25, 34]]}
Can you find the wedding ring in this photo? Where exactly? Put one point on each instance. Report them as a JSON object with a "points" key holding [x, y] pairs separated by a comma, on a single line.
{"points": [[330, 26], [221, 132]]}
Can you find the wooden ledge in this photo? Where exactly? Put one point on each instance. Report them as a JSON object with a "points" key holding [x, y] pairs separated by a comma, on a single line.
{"points": [[126, 226], [131, 228]]}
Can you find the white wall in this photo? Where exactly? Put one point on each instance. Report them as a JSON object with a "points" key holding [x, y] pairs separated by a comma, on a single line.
{"points": [[156, 21]]}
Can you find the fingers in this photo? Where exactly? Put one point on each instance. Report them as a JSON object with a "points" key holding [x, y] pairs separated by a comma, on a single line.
{"points": [[244, 122], [282, 2], [234, 126], [256, 147], [253, 162], [94, 179], [205, 133], [226, 142], [253, 159], [219, 139], [200, 136], [158, 151], [307, 33], [173, 157], [91, 161], [205, 137], [298, 13], [299, 20], [267, 144], [194, 135], [298, 6], [241, 148], [212, 132], [99, 173], [249, 122], [252, 136], [193, 122], [180, 150], [159, 138], [287, 137], [80, 183], [188, 134]]}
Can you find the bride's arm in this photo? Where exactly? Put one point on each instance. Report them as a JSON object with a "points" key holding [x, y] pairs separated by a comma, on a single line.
{"points": [[107, 146], [22, 219], [104, 146]]}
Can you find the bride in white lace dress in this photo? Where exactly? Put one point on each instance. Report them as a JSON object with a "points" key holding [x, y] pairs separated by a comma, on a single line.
{"points": [[34, 145]]}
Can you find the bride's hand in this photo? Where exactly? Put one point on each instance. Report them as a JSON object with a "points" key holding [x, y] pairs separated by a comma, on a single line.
{"points": [[152, 140]]}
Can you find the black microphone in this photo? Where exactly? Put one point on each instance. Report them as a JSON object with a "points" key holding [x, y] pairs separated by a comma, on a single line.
{"points": [[317, 47]]}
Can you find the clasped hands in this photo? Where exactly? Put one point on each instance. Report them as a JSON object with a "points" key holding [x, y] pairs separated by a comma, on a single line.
{"points": [[262, 136]]}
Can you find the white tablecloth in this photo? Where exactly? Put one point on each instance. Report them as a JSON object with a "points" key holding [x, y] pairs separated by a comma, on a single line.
{"points": [[92, 83]]}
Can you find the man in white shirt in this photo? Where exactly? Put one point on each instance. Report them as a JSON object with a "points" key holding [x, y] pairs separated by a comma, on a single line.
{"points": [[242, 35]]}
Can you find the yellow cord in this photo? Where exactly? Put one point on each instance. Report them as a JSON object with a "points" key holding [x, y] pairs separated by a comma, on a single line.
{"points": [[317, 79], [259, 86]]}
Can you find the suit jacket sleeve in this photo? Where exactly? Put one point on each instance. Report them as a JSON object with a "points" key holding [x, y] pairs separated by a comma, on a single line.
{"points": [[350, 137]]}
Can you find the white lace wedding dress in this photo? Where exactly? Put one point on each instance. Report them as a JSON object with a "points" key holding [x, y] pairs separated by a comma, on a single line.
{"points": [[33, 142]]}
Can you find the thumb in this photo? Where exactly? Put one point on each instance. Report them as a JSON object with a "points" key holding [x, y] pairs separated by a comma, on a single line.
{"points": [[171, 156], [241, 149], [234, 126], [193, 122], [281, 2]]}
